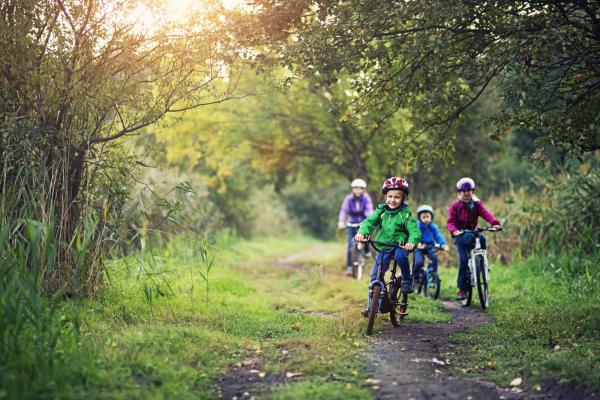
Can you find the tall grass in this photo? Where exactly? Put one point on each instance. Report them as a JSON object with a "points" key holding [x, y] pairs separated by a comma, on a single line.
{"points": [[41, 355]]}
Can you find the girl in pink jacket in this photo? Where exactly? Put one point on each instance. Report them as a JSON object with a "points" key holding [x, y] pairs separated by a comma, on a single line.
{"points": [[464, 213]]}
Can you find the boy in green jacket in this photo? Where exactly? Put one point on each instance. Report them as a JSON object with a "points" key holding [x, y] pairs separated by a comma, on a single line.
{"points": [[396, 224]]}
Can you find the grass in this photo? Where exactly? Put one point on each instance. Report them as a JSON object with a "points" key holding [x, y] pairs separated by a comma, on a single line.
{"points": [[546, 324], [150, 333]]}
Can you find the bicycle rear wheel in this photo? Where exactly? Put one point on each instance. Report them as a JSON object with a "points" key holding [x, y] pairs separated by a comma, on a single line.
{"points": [[482, 285], [373, 309], [432, 288]]}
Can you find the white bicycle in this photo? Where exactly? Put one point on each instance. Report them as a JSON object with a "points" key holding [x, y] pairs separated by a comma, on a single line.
{"points": [[359, 256], [478, 273]]}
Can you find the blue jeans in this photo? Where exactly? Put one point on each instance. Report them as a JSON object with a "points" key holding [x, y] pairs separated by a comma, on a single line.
{"points": [[420, 254], [463, 261], [351, 231], [401, 257]]}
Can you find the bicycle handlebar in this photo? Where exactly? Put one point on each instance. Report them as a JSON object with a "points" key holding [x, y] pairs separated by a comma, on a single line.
{"points": [[478, 229], [393, 246]]}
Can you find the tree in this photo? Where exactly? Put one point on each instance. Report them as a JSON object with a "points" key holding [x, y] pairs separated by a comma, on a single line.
{"points": [[436, 58], [76, 76]]}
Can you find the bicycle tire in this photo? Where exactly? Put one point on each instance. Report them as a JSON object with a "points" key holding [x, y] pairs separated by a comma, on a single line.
{"points": [[421, 287], [468, 292], [354, 260], [432, 289], [360, 266], [374, 309], [394, 303], [482, 286]]}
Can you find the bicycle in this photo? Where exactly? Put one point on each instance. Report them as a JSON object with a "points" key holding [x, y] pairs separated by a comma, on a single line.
{"points": [[478, 272], [427, 282], [359, 256], [383, 295]]}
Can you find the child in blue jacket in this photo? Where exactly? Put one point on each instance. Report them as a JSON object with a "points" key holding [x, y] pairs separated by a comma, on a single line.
{"points": [[430, 236]]}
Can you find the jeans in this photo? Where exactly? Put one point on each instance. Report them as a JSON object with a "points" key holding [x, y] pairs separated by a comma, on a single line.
{"points": [[401, 257], [420, 254], [351, 231], [463, 261]]}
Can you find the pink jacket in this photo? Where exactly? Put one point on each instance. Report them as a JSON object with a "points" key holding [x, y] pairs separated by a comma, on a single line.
{"points": [[463, 215]]}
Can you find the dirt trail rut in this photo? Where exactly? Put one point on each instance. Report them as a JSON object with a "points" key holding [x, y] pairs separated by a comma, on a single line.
{"points": [[413, 362]]}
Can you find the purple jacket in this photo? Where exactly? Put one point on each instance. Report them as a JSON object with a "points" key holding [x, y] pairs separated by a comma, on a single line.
{"points": [[463, 215], [355, 209]]}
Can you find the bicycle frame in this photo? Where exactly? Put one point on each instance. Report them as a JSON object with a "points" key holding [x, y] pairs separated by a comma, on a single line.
{"points": [[478, 251], [359, 255], [380, 281], [385, 286]]}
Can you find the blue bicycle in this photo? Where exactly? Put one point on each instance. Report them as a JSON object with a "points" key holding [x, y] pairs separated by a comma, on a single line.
{"points": [[427, 281]]}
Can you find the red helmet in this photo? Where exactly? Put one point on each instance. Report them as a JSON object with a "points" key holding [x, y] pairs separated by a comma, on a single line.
{"points": [[395, 183]]}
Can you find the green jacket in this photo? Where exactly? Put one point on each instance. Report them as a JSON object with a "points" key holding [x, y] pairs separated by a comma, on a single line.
{"points": [[395, 226]]}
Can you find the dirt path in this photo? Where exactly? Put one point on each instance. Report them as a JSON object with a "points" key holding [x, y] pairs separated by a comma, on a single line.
{"points": [[413, 362]]}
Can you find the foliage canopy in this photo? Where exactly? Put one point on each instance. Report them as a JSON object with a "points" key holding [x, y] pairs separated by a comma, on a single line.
{"points": [[437, 58]]}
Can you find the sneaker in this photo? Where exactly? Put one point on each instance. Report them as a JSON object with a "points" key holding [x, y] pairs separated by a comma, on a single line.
{"points": [[348, 271], [460, 295], [365, 313], [406, 289]]}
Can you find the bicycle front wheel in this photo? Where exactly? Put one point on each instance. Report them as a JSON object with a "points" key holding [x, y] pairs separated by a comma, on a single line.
{"points": [[468, 292], [432, 288], [422, 283], [394, 289], [482, 285], [374, 309], [360, 265]]}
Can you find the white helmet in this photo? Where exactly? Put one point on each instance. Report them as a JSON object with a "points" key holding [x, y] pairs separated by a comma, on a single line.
{"points": [[360, 183], [425, 208]]}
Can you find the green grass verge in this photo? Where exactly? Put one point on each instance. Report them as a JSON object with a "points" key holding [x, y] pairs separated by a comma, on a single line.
{"points": [[154, 334], [546, 323], [154, 331]]}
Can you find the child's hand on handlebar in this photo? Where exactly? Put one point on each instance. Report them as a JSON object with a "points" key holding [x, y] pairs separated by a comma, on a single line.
{"points": [[359, 237], [445, 247], [456, 233], [409, 246], [499, 227]]}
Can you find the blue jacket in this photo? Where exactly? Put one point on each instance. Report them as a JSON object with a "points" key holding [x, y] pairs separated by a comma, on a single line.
{"points": [[430, 234]]}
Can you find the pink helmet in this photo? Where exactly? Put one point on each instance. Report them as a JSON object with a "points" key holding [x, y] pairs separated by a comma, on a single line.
{"points": [[395, 183]]}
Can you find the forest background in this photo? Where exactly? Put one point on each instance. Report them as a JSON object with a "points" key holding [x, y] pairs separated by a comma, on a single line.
{"points": [[125, 125]]}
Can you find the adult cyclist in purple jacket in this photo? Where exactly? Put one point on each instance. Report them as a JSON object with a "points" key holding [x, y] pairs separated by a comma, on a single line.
{"points": [[356, 207], [464, 213]]}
